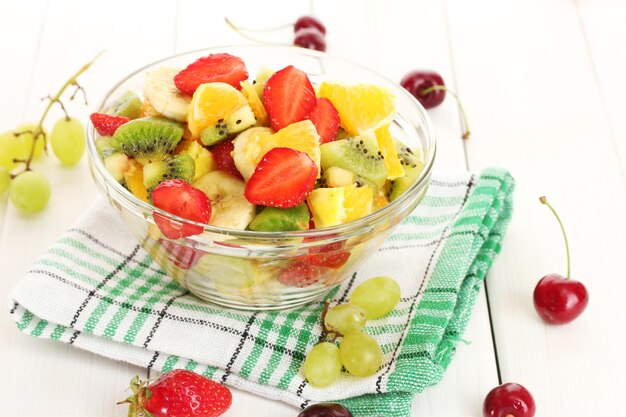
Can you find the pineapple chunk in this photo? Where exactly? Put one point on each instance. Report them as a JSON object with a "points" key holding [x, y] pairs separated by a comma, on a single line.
{"points": [[202, 157], [338, 177], [358, 202], [388, 150], [326, 205], [134, 180], [333, 206]]}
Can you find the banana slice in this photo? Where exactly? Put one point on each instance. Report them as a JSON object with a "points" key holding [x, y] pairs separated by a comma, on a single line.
{"points": [[160, 90], [247, 149], [230, 209]]}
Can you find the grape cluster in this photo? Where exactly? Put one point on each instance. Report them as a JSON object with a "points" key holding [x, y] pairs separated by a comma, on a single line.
{"points": [[29, 191], [358, 352]]}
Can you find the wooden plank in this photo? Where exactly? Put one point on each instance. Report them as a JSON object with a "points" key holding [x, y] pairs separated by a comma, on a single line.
{"points": [[527, 81], [69, 381]]}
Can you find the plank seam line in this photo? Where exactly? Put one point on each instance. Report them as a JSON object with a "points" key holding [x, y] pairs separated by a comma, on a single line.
{"points": [[596, 79], [454, 79]]}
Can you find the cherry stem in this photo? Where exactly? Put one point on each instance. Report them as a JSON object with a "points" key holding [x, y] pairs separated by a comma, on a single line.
{"points": [[545, 202], [247, 29], [426, 91], [38, 130], [241, 32]]}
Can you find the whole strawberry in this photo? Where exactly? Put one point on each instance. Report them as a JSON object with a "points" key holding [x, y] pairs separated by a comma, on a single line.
{"points": [[179, 393]]}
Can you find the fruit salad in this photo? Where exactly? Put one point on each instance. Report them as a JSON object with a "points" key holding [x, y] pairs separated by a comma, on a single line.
{"points": [[271, 153]]}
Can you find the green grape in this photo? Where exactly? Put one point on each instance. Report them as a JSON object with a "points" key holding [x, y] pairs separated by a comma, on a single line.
{"points": [[5, 180], [30, 192], [68, 140], [322, 365], [10, 148], [360, 354], [377, 296], [345, 318], [26, 140]]}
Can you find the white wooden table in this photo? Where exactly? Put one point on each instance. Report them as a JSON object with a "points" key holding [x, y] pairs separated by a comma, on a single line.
{"points": [[543, 85]]}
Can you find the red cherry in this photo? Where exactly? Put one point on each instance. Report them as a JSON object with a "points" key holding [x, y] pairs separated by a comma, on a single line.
{"points": [[310, 38], [309, 22], [559, 299], [509, 400], [420, 83], [429, 89]]}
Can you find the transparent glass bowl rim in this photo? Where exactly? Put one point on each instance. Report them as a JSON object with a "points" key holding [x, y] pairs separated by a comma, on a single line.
{"points": [[352, 227]]}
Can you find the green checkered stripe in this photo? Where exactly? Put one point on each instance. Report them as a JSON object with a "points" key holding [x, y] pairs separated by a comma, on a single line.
{"points": [[102, 293]]}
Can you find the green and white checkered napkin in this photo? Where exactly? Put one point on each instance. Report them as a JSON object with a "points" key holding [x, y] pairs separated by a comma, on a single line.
{"points": [[96, 289]]}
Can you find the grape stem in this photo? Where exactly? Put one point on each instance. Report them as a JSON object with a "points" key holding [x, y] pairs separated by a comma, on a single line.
{"points": [[544, 201], [426, 91], [38, 130], [328, 335]]}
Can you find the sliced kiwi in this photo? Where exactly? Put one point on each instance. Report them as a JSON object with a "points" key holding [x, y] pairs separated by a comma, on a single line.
{"points": [[261, 78], [272, 219], [105, 147], [149, 139], [411, 161], [127, 105], [413, 165], [178, 166], [359, 155], [237, 122]]}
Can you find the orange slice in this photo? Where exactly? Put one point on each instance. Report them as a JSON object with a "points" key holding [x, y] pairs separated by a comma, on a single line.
{"points": [[388, 150], [301, 136], [362, 108], [210, 103]]}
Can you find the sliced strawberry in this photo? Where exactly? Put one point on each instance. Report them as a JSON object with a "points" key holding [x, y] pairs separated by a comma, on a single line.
{"points": [[183, 200], [107, 124], [330, 255], [222, 68], [326, 120], [300, 273], [223, 158], [184, 257], [288, 97], [284, 178]]}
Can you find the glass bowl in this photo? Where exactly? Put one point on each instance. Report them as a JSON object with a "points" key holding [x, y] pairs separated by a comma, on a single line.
{"points": [[251, 270]]}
